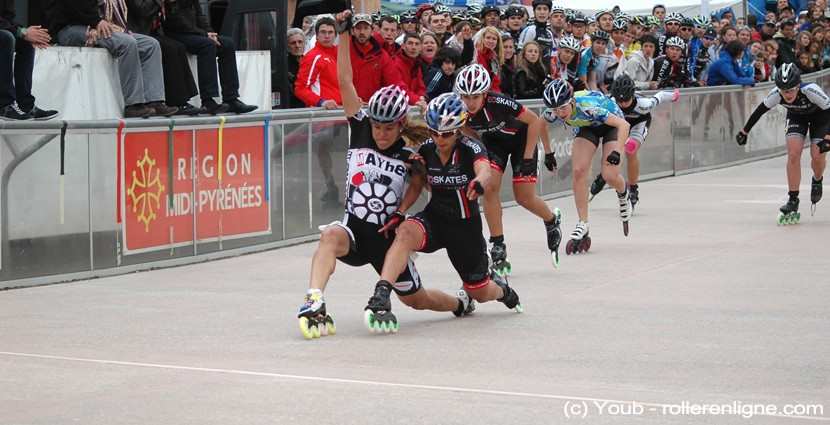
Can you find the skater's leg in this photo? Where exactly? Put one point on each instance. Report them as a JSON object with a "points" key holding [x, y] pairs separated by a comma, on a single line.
{"points": [[611, 173], [794, 147], [334, 243], [818, 161], [525, 194], [492, 204], [489, 292], [632, 163], [430, 299], [581, 154], [410, 237]]}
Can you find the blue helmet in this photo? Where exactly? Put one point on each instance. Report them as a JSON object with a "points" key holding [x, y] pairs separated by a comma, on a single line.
{"points": [[557, 93], [446, 112]]}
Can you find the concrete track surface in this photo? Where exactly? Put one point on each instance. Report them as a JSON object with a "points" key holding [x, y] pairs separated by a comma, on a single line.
{"points": [[707, 302]]}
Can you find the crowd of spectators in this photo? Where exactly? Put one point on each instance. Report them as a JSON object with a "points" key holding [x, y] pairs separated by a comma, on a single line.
{"points": [[523, 49], [149, 39]]}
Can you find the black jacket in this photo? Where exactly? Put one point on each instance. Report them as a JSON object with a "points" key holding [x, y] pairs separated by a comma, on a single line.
{"points": [[7, 16], [529, 85], [437, 82], [143, 15], [63, 13], [186, 17]]}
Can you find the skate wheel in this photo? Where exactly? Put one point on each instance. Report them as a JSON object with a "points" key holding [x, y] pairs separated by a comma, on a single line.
{"points": [[558, 213], [554, 256], [369, 320], [519, 308], [625, 228], [586, 244], [330, 327], [569, 247], [306, 328]]}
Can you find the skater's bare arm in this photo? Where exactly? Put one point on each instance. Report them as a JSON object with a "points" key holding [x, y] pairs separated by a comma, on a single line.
{"points": [[413, 191], [621, 125], [351, 101], [534, 129]]}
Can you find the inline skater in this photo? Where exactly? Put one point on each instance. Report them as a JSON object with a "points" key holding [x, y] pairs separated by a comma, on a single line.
{"points": [[457, 173], [808, 109], [378, 170], [637, 110], [511, 133], [594, 119]]}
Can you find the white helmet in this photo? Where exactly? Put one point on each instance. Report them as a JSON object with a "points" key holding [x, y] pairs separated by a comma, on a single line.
{"points": [[676, 42], [568, 42], [446, 113], [389, 104], [472, 79]]}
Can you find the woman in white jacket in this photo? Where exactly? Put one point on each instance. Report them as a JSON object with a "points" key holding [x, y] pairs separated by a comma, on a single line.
{"points": [[640, 65]]}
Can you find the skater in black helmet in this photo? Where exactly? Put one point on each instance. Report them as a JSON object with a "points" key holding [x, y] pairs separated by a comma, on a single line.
{"points": [[457, 173], [510, 132], [808, 109], [637, 110], [379, 166]]}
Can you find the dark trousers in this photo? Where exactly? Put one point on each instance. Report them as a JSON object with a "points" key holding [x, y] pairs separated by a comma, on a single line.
{"points": [[207, 53], [179, 85], [16, 72]]}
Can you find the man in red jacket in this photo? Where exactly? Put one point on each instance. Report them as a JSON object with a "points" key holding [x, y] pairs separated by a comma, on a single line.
{"points": [[387, 35], [316, 83], [408, 62], [372, 68]]}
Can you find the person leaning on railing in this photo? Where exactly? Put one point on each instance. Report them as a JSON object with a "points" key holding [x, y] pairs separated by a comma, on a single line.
{"points": [[93, 24], [16, 100], [316, 83], [185, 22]]}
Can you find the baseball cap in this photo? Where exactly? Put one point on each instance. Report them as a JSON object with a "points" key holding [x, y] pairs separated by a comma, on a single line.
{"points": [[361, 17]]}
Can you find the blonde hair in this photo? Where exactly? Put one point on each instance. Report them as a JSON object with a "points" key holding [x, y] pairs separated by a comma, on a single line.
{"points": [[499, 47]]}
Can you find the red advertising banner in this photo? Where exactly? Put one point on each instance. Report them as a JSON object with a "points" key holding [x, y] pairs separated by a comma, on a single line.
{"points": [[168, 189]]}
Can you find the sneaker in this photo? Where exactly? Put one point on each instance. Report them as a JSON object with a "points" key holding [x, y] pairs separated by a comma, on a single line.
{"points": [[41, 115], [160, 109], [211, 107], [137, 111], [237, 107], [12, 112], [189, 110]]}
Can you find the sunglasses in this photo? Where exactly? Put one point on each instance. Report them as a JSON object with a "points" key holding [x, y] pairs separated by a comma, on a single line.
{"points": [[685, 29], [674, 24], [441, 135]]}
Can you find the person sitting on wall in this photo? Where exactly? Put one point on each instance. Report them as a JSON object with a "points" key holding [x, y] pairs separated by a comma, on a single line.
{"points": [[17, 60], [185, 22]]}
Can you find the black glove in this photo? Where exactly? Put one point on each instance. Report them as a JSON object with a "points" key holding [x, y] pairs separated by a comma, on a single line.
{"points": [[740, 138], [550, 161], [613, 158], [392, 223], [528, 167], [823, 146], [344, 26]]}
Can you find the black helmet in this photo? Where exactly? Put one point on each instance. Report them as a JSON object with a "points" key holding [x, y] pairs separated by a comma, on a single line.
{"points": [[578, 18], [600, 35], [787, 77], [514, 10], [623, 88], [488, 9], [548, 3], [557, 93]]}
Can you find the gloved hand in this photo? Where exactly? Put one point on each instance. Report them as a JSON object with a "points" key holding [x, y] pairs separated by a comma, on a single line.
{"points": [[550, 161], [392, 223], [474, 190], [740, 138], [613, 158]]}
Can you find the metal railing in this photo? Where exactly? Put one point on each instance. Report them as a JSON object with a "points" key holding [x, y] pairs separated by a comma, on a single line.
{"points": [[70, 210]]}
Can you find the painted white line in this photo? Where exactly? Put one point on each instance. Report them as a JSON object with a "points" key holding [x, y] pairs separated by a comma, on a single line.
{"points": [[374, 383], [753, 201], [735, 185]]}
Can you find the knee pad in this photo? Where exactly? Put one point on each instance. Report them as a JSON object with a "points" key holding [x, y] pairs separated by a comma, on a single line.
{"points": [[631, 146]]}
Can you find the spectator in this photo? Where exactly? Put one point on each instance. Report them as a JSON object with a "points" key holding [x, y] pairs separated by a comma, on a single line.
{"points": [[441, 74], [410, 67], [539, 31], [296, 47], [803, 41], [530, 73], [594, 61], [747, 59], [425, 11], [144, 17], [387, 34], [670, 69], [786, 43], [805, 63], [659, 12], [787, 13], [579, 26], [371, 66], [17, 61], [763, 71], [409, 24], [565, 63], [514, 14], [699, 58], [490, 16], [726, 69], [316, 83], [508, 69], [82, 23], [767, 31], [558, 23], [490, 55], [429, 47], [185, 22], [438, 25], [771, 50], [640, 66], [463, 32]]}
